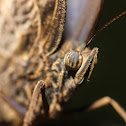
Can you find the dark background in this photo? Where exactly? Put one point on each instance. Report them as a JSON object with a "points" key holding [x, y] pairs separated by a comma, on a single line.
{"points": [[108, 78]]}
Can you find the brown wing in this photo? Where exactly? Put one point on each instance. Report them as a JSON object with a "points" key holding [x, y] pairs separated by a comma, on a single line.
{"points": [[53, 16], [19, 26], [81, 17], [26, 24]]}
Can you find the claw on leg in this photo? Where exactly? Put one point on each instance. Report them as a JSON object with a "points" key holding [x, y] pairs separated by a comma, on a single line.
{"points": [[29, 117]]}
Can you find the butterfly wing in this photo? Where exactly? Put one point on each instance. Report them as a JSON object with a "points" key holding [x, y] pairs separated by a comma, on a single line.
{"points": [[81, 17], [53, 18]]}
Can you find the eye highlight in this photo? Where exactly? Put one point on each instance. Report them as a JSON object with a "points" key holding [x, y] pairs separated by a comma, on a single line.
{"points": [[73, 60]]}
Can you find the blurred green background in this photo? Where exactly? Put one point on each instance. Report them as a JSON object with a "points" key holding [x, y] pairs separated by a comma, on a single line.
{"points": [[108, 78]]}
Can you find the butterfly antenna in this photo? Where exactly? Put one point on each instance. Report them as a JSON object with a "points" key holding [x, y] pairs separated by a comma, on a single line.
{"points": [[107, 24]]}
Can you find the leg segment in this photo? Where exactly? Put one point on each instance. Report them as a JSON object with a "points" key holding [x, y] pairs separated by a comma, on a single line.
{"points": [[87, 61], [100, 103], [60, 81], [44, 99], [29, 117], [105, 101]]}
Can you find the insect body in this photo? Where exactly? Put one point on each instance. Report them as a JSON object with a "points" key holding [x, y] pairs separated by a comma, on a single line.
{"points": [[42, 64]]}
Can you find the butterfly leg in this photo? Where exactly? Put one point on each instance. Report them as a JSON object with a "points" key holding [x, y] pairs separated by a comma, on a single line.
{"points": [[105, 101], [100, 103], [29, 117], [88, 60]]}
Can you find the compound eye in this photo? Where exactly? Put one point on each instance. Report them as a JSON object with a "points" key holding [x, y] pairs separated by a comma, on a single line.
{"points": [[73, 60]]}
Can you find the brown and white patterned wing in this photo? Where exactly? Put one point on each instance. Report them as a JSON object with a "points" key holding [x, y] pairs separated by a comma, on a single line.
{"points": [[81, 17], [19, 26]]}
